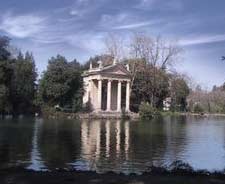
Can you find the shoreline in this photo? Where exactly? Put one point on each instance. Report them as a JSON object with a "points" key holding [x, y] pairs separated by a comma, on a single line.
{"points": [[21, 176], [110, 116], [118, 116]]}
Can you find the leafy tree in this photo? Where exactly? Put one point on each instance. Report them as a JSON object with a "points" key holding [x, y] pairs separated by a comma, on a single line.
{"points": [[179, 91], [147, 88], [5, 76], [198, 108], [61, 83], [17, 80], [4, 44], [23, 87]]}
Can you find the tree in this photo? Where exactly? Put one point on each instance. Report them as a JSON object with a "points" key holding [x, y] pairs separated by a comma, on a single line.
{"points": [[4, 45], [5, 76], [151, 57], [114, 46], [179, 91], [135, 66], [155, 51], [23, 86], [144, 88], [61, 83]]}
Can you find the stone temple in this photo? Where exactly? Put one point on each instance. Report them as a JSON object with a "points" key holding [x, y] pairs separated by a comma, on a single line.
{"points": [[107, 88]]}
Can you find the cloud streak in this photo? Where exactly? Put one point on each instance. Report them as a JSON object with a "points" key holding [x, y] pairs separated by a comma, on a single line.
{"points": [[134, 25], [203, 40]]}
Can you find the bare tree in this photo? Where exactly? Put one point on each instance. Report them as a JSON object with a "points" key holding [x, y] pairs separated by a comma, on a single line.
{"points": [[114, 46], [155, 51]]}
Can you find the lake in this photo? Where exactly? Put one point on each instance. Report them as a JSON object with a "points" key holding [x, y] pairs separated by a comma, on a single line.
{"points": [[113, 145]]}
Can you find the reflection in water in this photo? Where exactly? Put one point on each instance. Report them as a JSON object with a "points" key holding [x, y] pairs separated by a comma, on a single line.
{"points": [[99, 143], [107, 134], [36, 162], [112, 145], [117, 137], [15, 142], [127, 137]]}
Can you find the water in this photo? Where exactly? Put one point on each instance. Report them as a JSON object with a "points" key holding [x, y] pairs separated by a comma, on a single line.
{"points": [[113, 145]]}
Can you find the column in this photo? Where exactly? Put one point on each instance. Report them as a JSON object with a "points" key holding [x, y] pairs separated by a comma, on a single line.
{"points": [[119, 97], [128, 96], [99, 95], [90, 92], [109, 95]]}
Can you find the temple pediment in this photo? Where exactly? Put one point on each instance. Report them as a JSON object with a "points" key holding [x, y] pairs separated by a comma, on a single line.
{"points": [[116, 69]]}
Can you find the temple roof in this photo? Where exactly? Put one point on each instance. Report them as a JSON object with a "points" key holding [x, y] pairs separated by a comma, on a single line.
{"points": [[117, 69]]}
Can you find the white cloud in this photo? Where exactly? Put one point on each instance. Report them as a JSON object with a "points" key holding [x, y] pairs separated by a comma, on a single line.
{"points": [[74, 12], [88, 42], [22, 26], [202, 39], [134, 25]]}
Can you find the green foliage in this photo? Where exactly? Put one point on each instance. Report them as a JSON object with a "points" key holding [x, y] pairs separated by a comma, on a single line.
{"points": [[48, 111], [4, 94], [179, 92], [169, 113], [17, 81], [23, 84], [146, 111], [61, 84], [4, 44], [6, 73], [151, 84], [124, 114], [198, 108], [77, 101], [87, 107]]}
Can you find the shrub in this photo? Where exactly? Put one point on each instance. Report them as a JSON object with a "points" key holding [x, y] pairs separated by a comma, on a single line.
{"points": [[48, 111], [87, 107], [198, 109], [124, 114], [147, 112]]}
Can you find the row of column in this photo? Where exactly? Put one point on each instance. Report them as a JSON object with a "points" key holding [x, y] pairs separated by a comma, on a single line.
{"points": [[119, 89]]}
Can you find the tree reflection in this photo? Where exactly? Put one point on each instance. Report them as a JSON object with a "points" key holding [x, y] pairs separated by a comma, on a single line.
{"points": [[15, 142], [59, 143]]}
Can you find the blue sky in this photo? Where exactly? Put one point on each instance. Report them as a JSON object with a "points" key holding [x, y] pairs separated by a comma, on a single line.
{"points": [[77, 28]]}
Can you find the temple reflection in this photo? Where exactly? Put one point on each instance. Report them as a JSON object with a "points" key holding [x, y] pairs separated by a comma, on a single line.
{"points": [[104, 141], [107, 134], [127, 138], [118, 131]]}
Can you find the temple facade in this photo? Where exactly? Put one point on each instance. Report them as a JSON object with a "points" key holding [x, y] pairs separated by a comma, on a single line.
{"points": [[107, 88]]}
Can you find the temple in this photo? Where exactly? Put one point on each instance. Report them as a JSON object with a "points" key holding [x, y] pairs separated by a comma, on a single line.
{"points": [[107, 88]]}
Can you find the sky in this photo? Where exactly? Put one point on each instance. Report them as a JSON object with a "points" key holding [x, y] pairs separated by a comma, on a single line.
{"points": [[77, 29]]}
